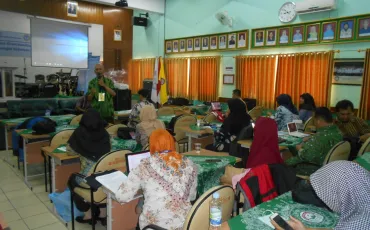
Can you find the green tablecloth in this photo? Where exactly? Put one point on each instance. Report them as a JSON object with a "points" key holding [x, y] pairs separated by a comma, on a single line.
{"points": [[291, 143], [60, 119], [209, 173], [57, 129], [364, 160], [311, 216], [166, 119]]}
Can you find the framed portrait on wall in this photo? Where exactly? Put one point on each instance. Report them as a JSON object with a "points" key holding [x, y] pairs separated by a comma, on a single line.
{"points": [[259, 38], [231, 42], [297, 34], [328, 31], [168, 47], [222, 42], [213, 43], [72, 9], [182, 45], [242, 40], [363, 27], [228, 79], [205, 43], [175, 46], [284, 34], [117, 35], [197, 44], [346, 29], [271, 37], [348, 71], [312, 33], [189, 46]]}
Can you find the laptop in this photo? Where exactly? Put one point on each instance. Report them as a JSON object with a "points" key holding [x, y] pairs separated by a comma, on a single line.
{"points": [[216, 106], [293, 131], [133, 159]]}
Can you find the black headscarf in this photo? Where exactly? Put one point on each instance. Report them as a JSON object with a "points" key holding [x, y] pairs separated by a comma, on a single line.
{"points": [[238, 117], [286, 101], [309, 102], [90, 139]]}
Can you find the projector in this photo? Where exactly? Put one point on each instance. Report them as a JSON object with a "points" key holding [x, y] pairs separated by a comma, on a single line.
{"points": [[122, 3]]}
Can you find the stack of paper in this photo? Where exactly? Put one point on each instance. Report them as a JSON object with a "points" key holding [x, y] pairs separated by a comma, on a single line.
{"points": [[112, 181]]}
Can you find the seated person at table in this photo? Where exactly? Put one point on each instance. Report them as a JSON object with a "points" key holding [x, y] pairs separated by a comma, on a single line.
{"points": [[350, 125], [134, 118], [306, 106], [311, 154], [265, 147], [168, 181], [149, 123], [344, 187], [83, 104], [233, 124], [286, 112], [90, 141]]}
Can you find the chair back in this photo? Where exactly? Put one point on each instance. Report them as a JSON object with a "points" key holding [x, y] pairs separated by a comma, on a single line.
{"points": [[61, 138], [209, 118], [113, 129], [198, 216], [76, 120], [256, 112], [340, 151], [365, 148], [165, 111], [184, 120], [308, 124]]}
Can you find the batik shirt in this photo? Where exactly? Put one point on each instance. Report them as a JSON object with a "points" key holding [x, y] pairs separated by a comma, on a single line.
{"points": [[355, 127], [167, 193], [134, 118], [105, 108], [312, 154], [283, 116]]}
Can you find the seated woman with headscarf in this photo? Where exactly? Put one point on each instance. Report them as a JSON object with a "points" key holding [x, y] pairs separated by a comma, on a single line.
{"points": [[286, 112], [149, 123], [233, 124], [344, 187], [168, 181], [265, 147], [90, 141]]}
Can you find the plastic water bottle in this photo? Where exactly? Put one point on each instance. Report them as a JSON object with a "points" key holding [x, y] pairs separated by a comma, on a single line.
{"points": [[47, 112], [215, 212]]}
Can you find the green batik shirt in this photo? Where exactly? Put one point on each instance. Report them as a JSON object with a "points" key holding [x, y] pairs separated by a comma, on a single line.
{"points": [[312, 154], [105, 108]]}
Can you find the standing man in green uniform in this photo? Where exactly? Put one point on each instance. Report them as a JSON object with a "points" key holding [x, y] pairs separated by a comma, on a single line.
{"points": [[101, 94]]}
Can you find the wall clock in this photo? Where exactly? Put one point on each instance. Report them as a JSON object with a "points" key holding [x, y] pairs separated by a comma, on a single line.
{"points": [[287, 12]]}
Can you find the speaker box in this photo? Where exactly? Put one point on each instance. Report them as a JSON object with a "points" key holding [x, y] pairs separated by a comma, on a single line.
{"points": [[139, 21], [122, 100]]}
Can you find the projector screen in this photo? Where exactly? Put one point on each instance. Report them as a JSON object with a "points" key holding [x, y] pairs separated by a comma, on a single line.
{"points": [[59, 44]]}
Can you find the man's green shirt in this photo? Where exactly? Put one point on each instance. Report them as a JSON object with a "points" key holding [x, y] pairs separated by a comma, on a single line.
{"points": [[105, 108]]}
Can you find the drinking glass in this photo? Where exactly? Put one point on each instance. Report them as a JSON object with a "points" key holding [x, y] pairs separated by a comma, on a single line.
{"points": [[198, 146]]}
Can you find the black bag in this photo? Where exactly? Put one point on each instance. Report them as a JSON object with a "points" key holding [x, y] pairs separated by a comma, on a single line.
{"points": [[304, 193], [124, 133], [44, 127]]}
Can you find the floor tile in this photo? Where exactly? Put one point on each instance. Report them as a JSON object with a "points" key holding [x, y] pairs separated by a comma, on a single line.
{"points": [[11, 216], [12, 187], [49, 205], [38, 188], [5, 206], [20, 202], [18, 225], [19, 193], [32, 210], [40, 220], [43, 196], [2, 197], [55, 226]]}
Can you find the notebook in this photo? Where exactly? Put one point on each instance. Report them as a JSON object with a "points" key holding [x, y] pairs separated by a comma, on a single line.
{"points": [[112, 181]]}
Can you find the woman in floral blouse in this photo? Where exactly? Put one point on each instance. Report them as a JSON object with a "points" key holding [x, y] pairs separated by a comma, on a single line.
{"points": [[168, 181]]}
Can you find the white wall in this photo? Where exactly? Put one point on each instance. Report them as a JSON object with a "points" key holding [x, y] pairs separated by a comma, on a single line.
{"points": [[155, 6], [20, 23]]}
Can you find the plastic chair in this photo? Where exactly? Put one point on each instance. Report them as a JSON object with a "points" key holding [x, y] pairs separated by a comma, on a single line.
{"points": [[113, 129], [340, 151], [183, 121], [165, 111], [256, 112], [61, 138], [309, 123], [98, 198], [364, 148], [76, 120], [209, 118]]}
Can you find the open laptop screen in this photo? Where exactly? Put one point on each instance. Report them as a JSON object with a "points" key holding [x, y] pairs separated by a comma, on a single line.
{"points": [[216, 106], [292, 127], [133, 159]]}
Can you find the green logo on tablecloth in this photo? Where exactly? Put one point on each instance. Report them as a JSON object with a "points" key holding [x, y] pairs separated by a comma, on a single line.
{"points": [[314, 217], [311, 217]]}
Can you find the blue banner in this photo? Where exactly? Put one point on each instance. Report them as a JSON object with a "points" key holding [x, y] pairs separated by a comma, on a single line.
{"points": [[15, 44]]}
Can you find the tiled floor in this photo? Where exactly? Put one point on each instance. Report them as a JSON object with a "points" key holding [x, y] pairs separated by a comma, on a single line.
{"points": [[24, 209]]}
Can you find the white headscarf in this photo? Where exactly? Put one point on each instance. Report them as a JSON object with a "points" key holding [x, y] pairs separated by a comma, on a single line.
{"points": [[344, 187], [149, 121]]}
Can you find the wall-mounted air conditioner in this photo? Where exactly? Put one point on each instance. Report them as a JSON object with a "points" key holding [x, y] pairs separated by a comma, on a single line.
{"points": [[313, 6]]}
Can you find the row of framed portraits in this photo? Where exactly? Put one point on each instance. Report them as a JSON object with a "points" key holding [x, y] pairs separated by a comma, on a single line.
{"points": [[340, 30], [216, 42]]}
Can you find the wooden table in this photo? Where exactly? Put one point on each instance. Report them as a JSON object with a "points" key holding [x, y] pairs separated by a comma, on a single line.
{"points": [[248, 143], [202, 135]]}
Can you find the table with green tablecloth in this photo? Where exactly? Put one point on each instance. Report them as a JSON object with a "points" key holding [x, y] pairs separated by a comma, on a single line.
{"points": [[210, 170], [311, 216], [57, 130], [60, 120], [166, 119], [364, 160], [291, 142]]}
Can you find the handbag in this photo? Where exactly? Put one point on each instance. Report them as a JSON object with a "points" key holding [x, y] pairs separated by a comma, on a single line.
{"points": [[124, 133]]}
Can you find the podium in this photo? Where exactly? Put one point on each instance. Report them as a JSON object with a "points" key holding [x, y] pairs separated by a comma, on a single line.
{"points": [[7, 85]]}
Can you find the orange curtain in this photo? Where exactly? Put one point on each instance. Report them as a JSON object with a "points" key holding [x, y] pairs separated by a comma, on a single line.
{"points": [[305, 73], [204, 78], [364, 111], [177, 76], [138, 70], [255, 77]]}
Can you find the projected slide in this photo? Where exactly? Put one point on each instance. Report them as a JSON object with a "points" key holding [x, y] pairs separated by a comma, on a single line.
{"points": [[59, 44]]}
